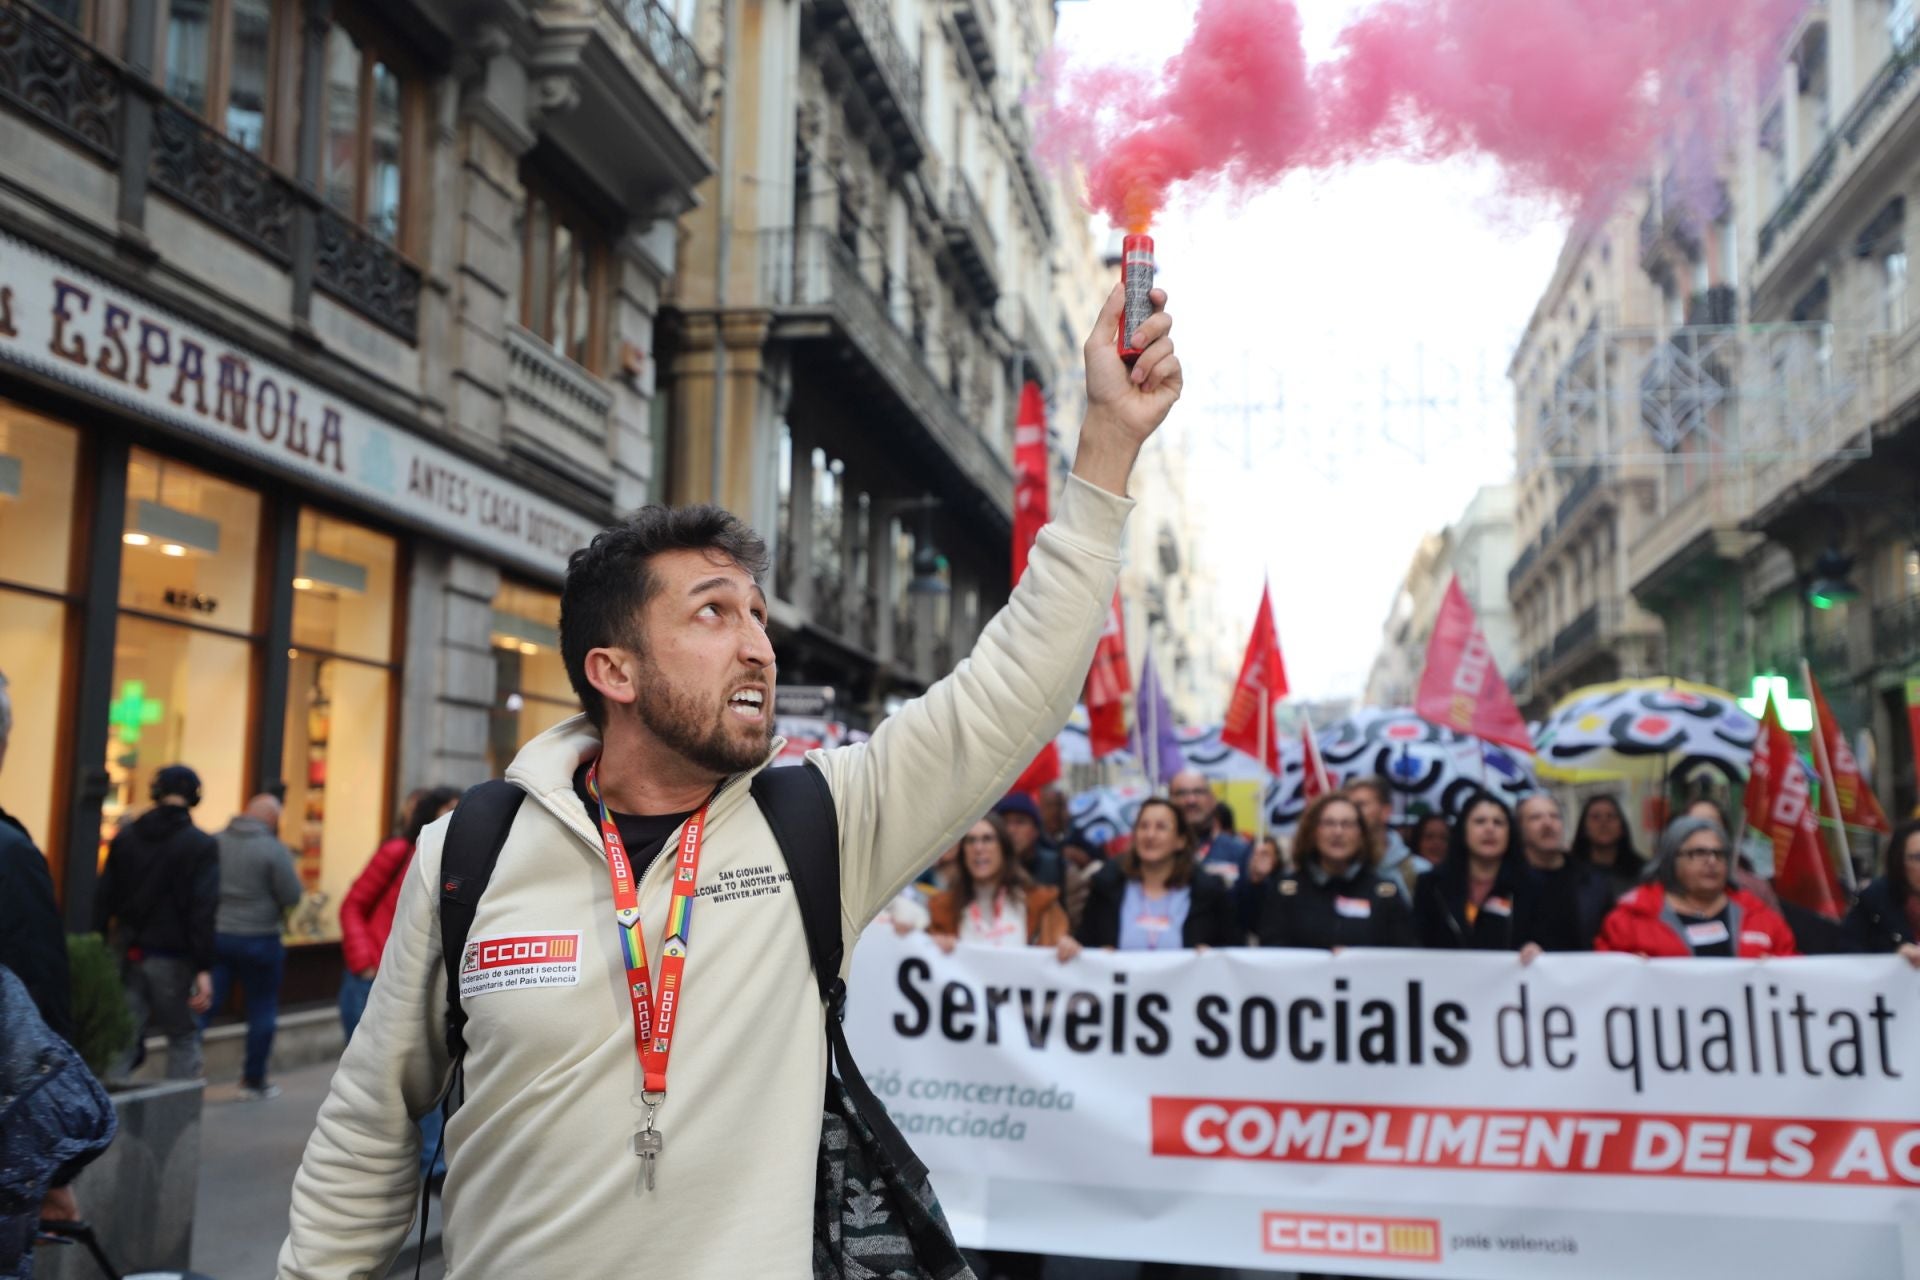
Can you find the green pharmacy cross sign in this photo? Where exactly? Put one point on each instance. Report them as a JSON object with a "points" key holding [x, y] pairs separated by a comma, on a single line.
{"points": [[133, 711], [1796, 714]]}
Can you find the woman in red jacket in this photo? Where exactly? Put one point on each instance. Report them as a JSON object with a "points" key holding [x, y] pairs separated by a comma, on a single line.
{"points": [[1690, 907], [366, 913]]}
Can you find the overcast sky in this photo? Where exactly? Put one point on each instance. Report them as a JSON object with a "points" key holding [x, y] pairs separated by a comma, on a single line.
{"points": [[1346, 340]]}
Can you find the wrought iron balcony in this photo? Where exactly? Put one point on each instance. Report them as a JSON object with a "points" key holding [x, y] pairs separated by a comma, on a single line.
{"points": [[864, 32], [975, 21], [970, 239], [1522, 563], [1585, 485], [1020, 133], [1892, 82], [817, 288], [660, 38], [1592, 630], [50, 75]]}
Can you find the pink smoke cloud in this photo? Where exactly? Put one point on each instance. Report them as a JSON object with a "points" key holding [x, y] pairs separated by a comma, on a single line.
{"points": [[1568, 97]]}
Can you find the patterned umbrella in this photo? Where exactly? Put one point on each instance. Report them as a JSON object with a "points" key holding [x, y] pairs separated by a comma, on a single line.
{"points": [[1204, 751], [1106, 813], [1432, 769], [1645, 729]]}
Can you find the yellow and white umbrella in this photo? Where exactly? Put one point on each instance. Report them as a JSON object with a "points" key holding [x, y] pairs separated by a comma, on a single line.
{"points": [[1646, 730]]}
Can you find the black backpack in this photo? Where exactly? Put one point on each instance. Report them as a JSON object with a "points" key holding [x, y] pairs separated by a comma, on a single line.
{"points": [[875, 1214]]}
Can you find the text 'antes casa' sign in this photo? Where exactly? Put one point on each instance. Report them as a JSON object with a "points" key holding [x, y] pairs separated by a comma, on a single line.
{"points": [[73, 326]]}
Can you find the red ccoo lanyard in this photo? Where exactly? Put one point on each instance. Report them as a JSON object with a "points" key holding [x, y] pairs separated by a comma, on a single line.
{"points": [[653, 1013]]}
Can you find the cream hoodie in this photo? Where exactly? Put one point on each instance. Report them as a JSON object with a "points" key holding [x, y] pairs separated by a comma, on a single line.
{"points": [[542, 1181]]}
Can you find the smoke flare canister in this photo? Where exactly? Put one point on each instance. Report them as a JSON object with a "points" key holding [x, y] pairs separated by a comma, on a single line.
{"points": [[1136, 277]]}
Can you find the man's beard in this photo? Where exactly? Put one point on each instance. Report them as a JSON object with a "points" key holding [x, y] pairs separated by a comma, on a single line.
{"points": [[682, 721]]}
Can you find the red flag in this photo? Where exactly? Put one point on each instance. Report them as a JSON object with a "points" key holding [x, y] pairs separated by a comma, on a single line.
{"points": [[1317, 782], [1043, 772], [1262, 682], [1840, 769], [1461, 687], [1029, 475], [1108, 684], [1030, 497], [1802, 872]]}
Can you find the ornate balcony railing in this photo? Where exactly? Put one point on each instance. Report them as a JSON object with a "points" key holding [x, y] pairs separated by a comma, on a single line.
{"points": [[887, 74], [970, 237], [222, 181], [1896, 74], [51, 75], [669, 49], [1020, 134], [810, 271], [975, 21]]}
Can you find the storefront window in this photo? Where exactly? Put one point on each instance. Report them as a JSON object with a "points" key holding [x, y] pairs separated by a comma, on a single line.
{"points": [[340, 694], [192, 545], [180, 695], [532, 693], [343, 589], [38, 482]]}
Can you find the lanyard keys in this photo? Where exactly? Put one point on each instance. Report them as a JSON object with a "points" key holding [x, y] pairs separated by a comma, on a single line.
{"points": [[648, 1144]]}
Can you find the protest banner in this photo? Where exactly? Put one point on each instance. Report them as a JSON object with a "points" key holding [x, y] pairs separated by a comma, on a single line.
{"points": [[1408, 1113]]}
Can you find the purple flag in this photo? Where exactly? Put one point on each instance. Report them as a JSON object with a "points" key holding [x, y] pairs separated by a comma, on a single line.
{"points": [[1154, 738]]}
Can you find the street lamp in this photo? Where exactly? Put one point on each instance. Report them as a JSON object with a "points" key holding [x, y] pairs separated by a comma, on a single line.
{"points": [[1831, 582]]}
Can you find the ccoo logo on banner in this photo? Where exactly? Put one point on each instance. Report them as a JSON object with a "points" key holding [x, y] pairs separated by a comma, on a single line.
{"points": [[1408, 1113]]}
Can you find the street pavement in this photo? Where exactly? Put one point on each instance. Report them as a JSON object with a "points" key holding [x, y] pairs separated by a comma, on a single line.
{"points": [[249, 1152]]}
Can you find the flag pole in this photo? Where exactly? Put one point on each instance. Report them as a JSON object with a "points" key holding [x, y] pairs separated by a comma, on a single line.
{"points": [[1154, 764], [1830, 783], [1266, 779]]}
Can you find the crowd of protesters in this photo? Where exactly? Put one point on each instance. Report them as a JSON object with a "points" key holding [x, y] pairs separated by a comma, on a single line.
{"points": [[1491, 878]]}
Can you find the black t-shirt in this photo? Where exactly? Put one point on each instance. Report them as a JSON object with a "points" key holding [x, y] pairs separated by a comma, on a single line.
{"points": [[645, 835], [1707, 935]]}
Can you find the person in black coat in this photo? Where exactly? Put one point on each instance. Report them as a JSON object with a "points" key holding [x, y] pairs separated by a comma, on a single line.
{"points": [[1333, 897], [158, 893], [1603, 839], [1154, 898], [33, 942], [1480, 899], [1886, 917]]}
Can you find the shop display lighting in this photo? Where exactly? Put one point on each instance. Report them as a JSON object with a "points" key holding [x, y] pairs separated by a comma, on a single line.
{"points": [[318, 570], [523, 635], [178, 532]]}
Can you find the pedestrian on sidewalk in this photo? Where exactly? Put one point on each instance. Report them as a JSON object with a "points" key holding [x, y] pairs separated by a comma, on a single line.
{"points": [[366, 913], [32, 942], [156, 902], [257, 887], [663, 630]]}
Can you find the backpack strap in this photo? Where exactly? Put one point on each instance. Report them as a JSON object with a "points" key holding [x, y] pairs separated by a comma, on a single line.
{"points": [[479, 829], [798, 806]]}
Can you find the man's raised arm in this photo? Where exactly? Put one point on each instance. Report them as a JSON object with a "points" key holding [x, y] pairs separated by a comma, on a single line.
{"points": [[948, 755]]}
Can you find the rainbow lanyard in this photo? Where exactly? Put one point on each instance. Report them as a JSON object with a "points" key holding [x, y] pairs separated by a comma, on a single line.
{"points": [[653, 1018]]}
